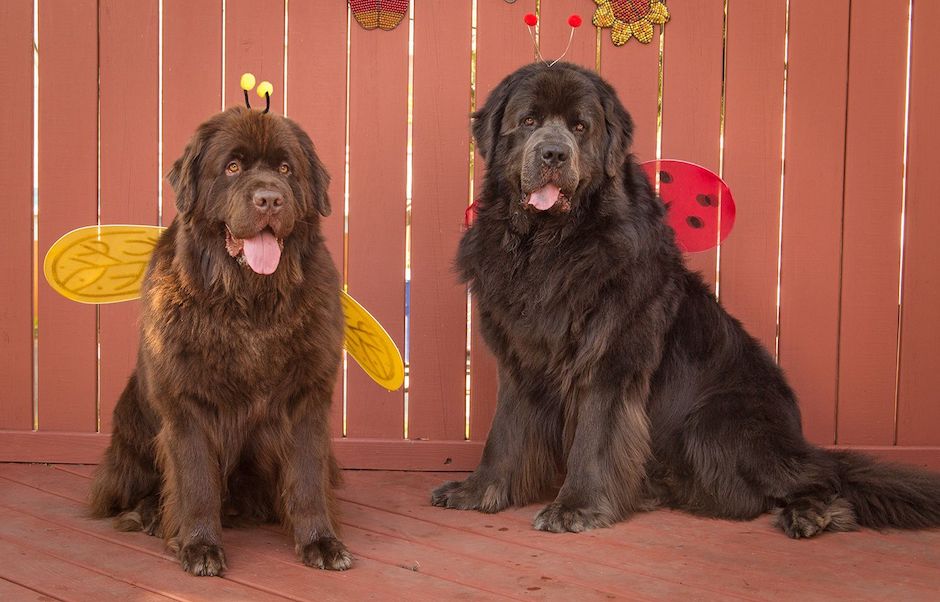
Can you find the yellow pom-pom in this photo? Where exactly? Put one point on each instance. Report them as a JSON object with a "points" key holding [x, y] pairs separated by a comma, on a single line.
{"points": [[265, 87], [247, 81]]}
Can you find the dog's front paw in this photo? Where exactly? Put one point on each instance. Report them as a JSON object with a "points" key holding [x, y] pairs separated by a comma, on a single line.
{"points": [[471, 495], [202, 559], [560, 518], [326, 553]]}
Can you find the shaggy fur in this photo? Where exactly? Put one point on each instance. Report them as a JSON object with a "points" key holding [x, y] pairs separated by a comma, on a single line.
{"points": [[620, 375], [225, 419]]}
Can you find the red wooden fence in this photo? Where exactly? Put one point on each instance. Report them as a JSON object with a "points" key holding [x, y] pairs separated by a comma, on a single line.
{"points": [[822, 117]]}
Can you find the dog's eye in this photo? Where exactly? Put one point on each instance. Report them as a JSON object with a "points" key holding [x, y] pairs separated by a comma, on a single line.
{"points": [[233, 168], [579, 127], [284, 168], [528, 121]]}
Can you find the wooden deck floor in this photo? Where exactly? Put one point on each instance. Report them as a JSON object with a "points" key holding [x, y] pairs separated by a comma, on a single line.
{"points": [[406, 549]]}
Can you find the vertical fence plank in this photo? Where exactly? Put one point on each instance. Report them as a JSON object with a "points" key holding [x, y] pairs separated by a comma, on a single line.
{"points": [[441, 143], [378, 96], [68, 166], [812, 210], [633, 71], [192, 72], [254, 42], [753, 126], [503, 45], [873, 172], [16, 180], [128, 57], [316, 80], [918, 408], [691, 127], [554, 32]]}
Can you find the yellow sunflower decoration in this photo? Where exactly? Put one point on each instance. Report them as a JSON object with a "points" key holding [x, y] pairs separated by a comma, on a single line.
{"points": [[630, 18]]}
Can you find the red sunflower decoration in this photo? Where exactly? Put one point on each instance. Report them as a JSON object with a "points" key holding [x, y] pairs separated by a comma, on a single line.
{"points": [[630, 18]]}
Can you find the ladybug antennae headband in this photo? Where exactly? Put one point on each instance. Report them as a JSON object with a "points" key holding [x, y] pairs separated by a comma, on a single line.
{"points": [[531, 21]]}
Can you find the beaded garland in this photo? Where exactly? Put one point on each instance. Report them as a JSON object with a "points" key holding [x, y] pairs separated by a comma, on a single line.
{"points": [[630, 18], [382, 14]]}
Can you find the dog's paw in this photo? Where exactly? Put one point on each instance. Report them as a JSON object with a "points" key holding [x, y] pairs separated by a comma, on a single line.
{"points": [[805, 518], [202, 559], [326, 553], [442, 495], [128, 521], [470, 495], [559, 518], [144, 517], [800, 523]]}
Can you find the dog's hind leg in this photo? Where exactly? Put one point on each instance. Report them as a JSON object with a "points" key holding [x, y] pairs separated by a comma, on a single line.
{"points": [[126, 484], [759, 462], [520, 458], [739, 461]]}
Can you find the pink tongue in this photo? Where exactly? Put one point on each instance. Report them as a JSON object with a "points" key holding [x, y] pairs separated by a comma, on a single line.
{"points": [[545, 197], [262, 252]]}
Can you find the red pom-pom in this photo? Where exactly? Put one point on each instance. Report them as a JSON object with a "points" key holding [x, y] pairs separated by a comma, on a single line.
{"points": [[530, 19], [574, 20]]}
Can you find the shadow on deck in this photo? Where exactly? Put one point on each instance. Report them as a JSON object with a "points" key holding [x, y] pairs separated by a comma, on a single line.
{"points": [[406, 549]]}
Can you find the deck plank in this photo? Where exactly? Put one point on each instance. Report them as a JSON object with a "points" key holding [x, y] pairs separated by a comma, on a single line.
{"points": [[403, 546], [148, 570], [456, 555], [470, 559], [55, 577], [276, 561], [917, 548], [58, 495], [380, 546], [555, 574], [13, 591], [700, 552]]}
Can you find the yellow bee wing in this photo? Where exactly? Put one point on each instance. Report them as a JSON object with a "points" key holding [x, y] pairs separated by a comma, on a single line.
{"points": [[371, 346], [101, 264], [106, 264]]}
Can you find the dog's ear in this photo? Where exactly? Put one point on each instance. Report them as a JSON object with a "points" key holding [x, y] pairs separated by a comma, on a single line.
{"points": [[487, 120], [619, 130], [184, 176], [318, 180], [485, 130]]}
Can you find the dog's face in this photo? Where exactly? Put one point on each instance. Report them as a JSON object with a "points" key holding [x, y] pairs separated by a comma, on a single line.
{"points": [[553, 134], [252, 180]]}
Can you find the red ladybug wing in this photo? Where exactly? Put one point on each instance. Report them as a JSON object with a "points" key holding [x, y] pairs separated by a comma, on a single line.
{"points": [[701, 209]]}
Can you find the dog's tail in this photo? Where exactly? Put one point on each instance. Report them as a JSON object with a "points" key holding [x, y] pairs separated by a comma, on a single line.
{"points": [[888, 495]]}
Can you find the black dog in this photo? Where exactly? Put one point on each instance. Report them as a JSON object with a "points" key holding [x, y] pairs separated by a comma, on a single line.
{"points": [[618, 369]]}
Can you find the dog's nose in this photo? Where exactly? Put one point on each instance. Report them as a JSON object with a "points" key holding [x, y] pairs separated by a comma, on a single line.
{"points": [[268, 201], [553, 155]]}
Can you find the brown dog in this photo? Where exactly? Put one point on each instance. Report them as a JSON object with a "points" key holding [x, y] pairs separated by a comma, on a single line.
{"points": [[225, 418]]}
